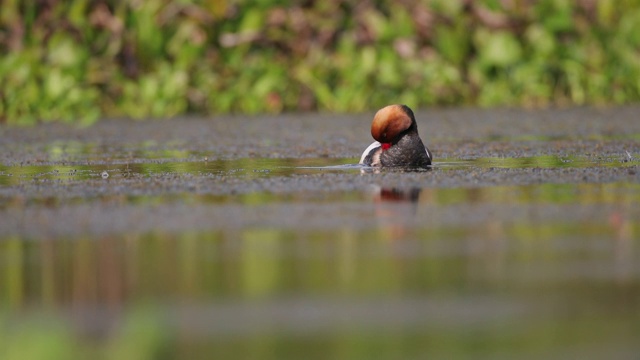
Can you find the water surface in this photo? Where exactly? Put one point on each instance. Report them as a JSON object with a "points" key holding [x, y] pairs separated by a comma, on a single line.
{"points": [[187, 254]]}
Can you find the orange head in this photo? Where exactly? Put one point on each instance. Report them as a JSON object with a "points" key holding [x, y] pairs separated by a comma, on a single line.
{"points": [[391, 121]]}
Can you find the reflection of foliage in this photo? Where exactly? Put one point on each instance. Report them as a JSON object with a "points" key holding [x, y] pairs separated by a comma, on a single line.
{"points": [[140, 284], [78, 60]]}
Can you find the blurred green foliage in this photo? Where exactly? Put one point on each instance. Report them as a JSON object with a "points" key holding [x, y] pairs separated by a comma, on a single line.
{"points": [[81, 59]]}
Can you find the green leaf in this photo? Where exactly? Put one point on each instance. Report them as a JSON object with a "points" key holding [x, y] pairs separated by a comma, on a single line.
{"points": [[499, 48]]}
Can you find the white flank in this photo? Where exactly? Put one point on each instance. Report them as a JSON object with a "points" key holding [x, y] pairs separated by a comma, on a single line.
{"points": [[368, 150]]}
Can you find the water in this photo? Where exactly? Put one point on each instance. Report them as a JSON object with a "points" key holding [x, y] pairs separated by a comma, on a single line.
{"points": [[182, 256], [521, 241]]}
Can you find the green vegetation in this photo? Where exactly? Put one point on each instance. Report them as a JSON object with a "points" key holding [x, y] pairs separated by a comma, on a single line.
{"points": [[79, 60]]}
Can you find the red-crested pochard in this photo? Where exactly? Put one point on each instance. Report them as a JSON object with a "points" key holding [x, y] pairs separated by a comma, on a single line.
{"points": [[397, 141]]}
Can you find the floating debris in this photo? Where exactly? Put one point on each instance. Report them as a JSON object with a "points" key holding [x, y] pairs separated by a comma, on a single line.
{"points": [[629, 157]]}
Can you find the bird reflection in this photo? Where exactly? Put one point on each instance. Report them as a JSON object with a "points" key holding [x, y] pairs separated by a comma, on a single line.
{"points": [[395, 194], [395, 209]]}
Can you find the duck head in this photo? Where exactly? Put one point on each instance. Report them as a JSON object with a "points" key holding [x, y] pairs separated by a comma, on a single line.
{"points": [[390, 122]]}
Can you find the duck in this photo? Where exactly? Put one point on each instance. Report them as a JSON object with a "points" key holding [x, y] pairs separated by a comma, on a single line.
{"points": [[398, 143]]}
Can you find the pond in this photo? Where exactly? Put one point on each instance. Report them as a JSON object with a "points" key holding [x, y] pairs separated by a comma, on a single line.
{"points": [[147, 240]]}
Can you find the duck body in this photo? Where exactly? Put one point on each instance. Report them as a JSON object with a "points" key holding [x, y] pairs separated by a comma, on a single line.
{"points": [[398, 143]]}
